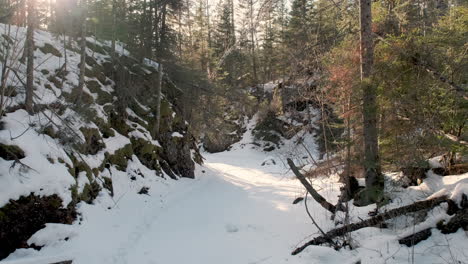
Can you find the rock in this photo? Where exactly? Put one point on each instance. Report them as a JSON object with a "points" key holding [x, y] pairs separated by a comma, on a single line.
{"points": [[144, 190]]}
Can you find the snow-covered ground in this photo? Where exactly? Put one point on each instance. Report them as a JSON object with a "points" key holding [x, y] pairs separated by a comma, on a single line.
{"points": [[235, 211]]}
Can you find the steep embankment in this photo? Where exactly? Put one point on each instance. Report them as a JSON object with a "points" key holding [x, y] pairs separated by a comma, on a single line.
{"points": [[75, 146]]}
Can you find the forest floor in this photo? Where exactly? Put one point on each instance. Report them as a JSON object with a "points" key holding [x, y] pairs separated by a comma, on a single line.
{"points": [[236, 211]]}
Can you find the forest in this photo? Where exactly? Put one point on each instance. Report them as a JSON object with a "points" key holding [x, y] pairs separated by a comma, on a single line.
{"points": [[233, 131]]}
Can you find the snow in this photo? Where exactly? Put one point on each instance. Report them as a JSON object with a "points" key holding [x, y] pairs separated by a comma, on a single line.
{"points": [[40, 176], [235, 211], [177, 134], [238, 209]]}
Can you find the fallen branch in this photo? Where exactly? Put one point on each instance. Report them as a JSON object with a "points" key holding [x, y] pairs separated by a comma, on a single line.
{"points": [[317, 197], [373, 221]]}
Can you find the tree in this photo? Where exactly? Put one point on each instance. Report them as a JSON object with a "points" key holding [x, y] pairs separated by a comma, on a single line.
{"points": [[30, 56], [81, 81], [374, 178]]}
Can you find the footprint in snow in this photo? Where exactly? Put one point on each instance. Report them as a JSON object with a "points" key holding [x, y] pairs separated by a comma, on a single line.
{"points": [[230, 228]]}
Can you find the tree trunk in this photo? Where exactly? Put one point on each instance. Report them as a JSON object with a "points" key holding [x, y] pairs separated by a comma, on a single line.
{"points": [[158, 101], [374, 178], [114, 26], [82, 52], [30, 57]]}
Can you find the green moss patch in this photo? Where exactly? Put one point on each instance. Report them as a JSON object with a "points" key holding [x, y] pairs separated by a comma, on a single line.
{"points": [[146, 152], [93, 141], [104, 127], [11, 152], [90, 192], [103, 97], [119, 123], [120, 157], [21, 218]]}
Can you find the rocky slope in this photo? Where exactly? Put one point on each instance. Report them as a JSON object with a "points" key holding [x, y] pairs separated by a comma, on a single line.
{"points": [[68, 152]]}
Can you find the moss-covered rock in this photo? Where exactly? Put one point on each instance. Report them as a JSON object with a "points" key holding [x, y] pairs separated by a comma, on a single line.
{"points": [[119, 123], [103, 97], [84, 97], [49, 49], [11, 152], [120, 157], [104, 127], [147, 153], [93, 141], [21, 218]]}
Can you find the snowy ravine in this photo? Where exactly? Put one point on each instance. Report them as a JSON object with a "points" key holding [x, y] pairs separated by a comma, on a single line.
{"points": [[235, 211]]}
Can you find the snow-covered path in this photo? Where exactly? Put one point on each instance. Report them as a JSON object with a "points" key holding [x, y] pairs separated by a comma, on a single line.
{"points": [[235, 211], [234, 215]]}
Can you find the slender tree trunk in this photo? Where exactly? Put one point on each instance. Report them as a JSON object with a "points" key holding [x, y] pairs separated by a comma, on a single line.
{"points": [[158, 100], [114, 26], [30, 57], [82, 52], [374, 178], [252, 37]]}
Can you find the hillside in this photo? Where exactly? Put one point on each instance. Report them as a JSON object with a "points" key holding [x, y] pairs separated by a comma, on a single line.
{"points": [[66, 153]]}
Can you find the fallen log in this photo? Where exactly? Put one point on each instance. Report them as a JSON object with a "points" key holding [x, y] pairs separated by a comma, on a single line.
{"points": [[373, 221], [317, 197], [415, 238]]}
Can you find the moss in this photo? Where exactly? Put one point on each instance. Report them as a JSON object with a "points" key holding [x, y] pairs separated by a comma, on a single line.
{"points": [[20, 219], [49, 49], [45, 72], [49, 130], [11, 152], [93, 141], [120, 157], [85, 98], [50, 159], [90, 192], [108, 185], [95, 47], [90, 61], [95, 172], [96, 72], [138, 121], [60, 160], [79, 166], [104, 127], [119, 123], [48, 86], [103, 97], [146, 152], [55, 81]]}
